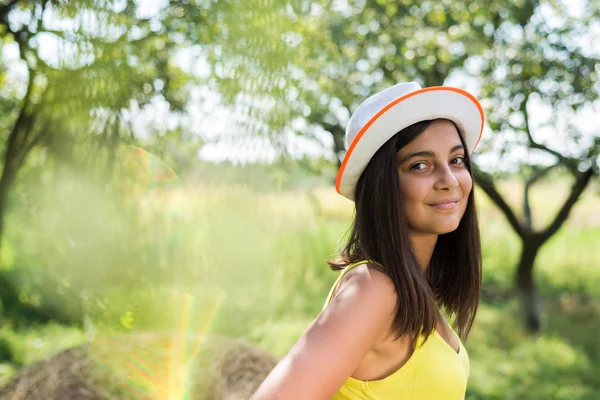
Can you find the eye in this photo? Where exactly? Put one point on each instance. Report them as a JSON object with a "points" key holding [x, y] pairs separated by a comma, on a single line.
{"points": [[418, 166], [458, 160]]}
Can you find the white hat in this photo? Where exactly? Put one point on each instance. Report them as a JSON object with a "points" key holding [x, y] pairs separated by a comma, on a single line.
{"points": [[386, 113]]}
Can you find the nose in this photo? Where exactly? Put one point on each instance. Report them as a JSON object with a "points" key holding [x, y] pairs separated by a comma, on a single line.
{"points": [[445, 179]]}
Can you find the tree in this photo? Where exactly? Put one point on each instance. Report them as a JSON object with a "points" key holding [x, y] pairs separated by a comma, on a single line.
{"points": [[540, 64], [109, 56], [115, 56]]}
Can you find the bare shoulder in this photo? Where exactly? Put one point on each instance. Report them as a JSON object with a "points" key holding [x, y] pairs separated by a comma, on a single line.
{"points": [[367, 288], [370, 282]]}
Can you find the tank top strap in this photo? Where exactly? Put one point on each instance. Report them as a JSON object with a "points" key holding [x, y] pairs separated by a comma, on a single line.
{"points": [[341, 276]]}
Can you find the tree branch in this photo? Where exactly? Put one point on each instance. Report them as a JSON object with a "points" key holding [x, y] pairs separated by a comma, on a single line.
{"points": [[11, 150], [570, 163], [27, 147], [486, 183], [578, 187], [31, 119], [526, 208]]}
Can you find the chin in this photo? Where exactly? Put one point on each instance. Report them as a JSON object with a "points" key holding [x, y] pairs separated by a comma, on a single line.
{"points": [[442, 229]]}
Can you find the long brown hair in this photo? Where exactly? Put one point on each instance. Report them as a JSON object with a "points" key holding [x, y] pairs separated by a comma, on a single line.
{"points": [[380, 233]]}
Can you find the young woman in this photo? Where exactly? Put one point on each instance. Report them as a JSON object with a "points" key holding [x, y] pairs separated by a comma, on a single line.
{"points": [[413, 248]]}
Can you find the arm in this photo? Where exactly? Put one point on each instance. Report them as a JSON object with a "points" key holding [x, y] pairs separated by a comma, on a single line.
{"points": [[330, 350]]}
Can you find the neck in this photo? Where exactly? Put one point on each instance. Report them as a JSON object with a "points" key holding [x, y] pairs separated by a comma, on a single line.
{"points": [[423, 245]]}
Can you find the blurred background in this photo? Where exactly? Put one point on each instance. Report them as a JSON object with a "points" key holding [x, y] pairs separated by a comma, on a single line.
{"points": [[168, 167]]}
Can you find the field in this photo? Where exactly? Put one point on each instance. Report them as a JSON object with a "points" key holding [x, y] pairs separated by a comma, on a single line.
{"points": [[254, 268]]}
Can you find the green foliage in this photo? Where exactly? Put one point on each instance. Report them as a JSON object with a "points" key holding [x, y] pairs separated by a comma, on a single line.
{"points": [[25, 347], [540, 63], [256, 270], [124, 224], [506, 363]]}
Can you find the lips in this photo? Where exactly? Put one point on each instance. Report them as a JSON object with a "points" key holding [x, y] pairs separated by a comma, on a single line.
{"points": [[445, 205]]}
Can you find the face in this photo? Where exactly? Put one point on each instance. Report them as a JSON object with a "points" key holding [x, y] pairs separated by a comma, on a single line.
{"points": [[434, 180]]}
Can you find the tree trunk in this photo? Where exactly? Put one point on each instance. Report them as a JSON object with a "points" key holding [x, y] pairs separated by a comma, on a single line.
{"points": [[532, 240], [338, 146], [9, 295], [5, 184], [526, 287]]}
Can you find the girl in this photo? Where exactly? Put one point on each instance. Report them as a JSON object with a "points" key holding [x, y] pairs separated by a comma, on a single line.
{"points": [[413, 248]]}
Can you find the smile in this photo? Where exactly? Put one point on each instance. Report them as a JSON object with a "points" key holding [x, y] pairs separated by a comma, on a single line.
{"points": [[445, 206]]}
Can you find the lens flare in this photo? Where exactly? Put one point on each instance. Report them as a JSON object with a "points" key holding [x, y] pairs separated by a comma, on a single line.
{"points": [[159, 365]]}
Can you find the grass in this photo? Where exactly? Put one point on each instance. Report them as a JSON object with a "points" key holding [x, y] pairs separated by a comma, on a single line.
{"points": [[263, 255], [25, 347]]}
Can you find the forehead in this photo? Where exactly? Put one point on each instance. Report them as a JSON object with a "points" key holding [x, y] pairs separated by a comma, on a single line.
{"points": [[440, 136]]}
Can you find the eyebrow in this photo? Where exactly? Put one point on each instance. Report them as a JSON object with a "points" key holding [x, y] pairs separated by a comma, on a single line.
{"points": [[427, 153]]}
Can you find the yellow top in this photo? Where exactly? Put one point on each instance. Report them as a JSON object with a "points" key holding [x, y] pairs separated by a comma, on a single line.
{"points": [[434, 371]]}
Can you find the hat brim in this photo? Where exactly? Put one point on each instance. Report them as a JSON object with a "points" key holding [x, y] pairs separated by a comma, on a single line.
{"points": [[429, 103]]}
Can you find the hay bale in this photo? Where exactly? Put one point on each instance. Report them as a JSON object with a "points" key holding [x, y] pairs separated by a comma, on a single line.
{"points": [[146, 365], [59, 377]]}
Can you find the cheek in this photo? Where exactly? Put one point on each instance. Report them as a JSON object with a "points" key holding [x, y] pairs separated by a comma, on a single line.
{"points": [[418, 192], [413, 200], [465, 181]]}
